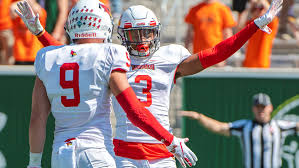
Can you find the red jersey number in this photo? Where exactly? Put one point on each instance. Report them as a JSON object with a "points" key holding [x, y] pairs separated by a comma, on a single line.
{"points": [[146, 90], [74, 84]]}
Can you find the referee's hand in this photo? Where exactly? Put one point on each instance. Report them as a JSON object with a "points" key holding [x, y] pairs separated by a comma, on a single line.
{"points": [[190, 114], [183, 154]]}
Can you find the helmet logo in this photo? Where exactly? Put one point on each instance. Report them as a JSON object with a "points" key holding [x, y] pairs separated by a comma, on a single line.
{"points": [[79, 23], [85, 35]]}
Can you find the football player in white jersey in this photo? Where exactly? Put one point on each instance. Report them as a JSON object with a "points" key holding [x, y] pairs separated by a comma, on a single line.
{"points": [[75, 82], [152, 74]]}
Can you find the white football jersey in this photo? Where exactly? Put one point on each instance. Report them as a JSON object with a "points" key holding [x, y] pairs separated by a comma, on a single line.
{"points": [[76, 78], [152, 79]]}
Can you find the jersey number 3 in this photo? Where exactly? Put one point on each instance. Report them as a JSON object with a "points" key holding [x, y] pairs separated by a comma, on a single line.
{"points": [[72, 84], [146, 90]]}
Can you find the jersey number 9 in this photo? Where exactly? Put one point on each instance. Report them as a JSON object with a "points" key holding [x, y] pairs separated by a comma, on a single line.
{"points": [[72, 84]]}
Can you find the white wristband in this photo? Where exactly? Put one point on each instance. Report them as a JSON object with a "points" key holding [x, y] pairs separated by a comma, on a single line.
{"points": [[35, 159]]}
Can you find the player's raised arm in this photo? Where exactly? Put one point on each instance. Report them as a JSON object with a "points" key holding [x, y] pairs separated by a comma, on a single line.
{"points": [[143, 119], [204, 59], [208, 123], [38, 122], [33, 24]]}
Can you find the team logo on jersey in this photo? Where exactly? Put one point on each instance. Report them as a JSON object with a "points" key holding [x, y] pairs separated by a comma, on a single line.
{"points": [[145, 66], [73, 53], [69, 141]]}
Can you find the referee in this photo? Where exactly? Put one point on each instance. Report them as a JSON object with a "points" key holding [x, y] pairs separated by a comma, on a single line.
{"points": [[261, 138]]}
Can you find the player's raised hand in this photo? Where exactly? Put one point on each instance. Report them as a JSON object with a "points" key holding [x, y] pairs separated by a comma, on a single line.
{"points": [[29, 18], [264, 20], [183, 154]]}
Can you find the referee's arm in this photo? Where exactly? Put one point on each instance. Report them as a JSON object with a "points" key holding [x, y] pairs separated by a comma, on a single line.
{"points": [[212, 125]]}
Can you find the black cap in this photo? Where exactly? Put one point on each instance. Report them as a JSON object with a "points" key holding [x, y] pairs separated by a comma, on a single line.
{"points": [[261, 99]]}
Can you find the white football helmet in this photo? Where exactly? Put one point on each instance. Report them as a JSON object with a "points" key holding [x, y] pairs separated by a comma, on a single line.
{"points": [[89, 19], [139, 30]]}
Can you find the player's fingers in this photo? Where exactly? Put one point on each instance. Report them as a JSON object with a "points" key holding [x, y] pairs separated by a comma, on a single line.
{"points": [[278, 10], [280, 2], [186, 140], [26, 3], [36, 18], [274, 5], [189, 156], [193, 156], [24, 8], [181, 161], [18, 13], [189, 160], [28, 8], [19, 4], [277, 4]]}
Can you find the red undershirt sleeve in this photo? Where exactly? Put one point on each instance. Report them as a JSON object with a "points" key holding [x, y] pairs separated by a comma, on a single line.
{"points": [[47, 40], [226, 48], [141, 117]]}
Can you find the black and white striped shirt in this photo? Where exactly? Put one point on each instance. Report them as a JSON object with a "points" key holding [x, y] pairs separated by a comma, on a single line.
{"points": [[262, 143]]}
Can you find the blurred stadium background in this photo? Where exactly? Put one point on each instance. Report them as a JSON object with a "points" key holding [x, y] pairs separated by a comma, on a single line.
{"points": [[226, 102]]}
